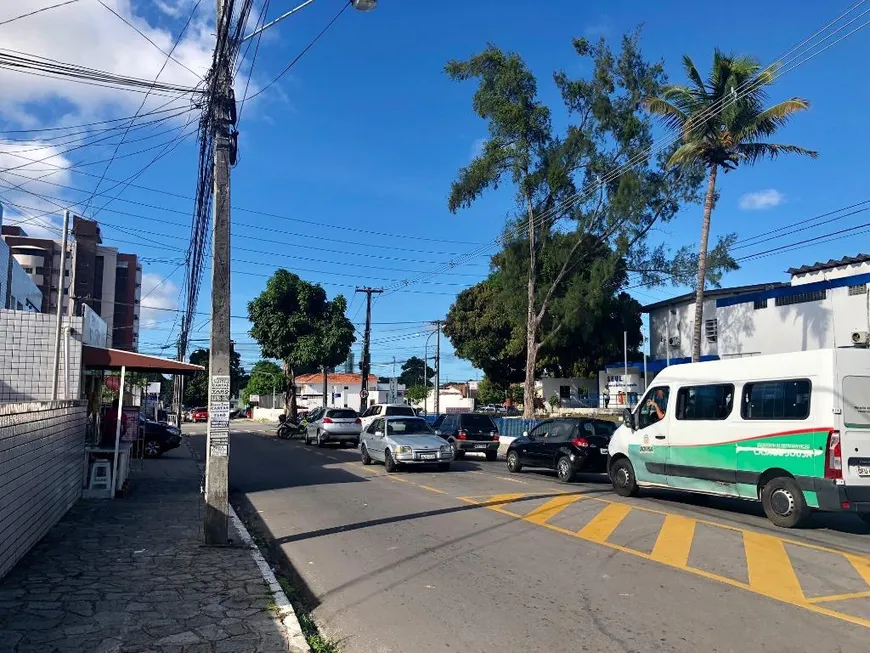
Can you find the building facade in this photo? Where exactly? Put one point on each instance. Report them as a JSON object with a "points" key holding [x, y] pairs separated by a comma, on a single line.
{"points": [[823, 305]]}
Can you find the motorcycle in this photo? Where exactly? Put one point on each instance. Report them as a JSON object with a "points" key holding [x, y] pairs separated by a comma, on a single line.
{"points": [[288, 429]]}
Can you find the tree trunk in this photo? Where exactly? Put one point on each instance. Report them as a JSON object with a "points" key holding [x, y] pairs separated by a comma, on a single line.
{"points": [[289, 391], [531, 323], [698, 331]]}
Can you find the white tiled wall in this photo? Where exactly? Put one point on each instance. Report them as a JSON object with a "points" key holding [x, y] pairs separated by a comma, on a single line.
{"points": [[41, 471], [27, 354]]}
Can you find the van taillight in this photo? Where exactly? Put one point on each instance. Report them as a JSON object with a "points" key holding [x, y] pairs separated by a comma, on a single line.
{"points": [[834, 457]]}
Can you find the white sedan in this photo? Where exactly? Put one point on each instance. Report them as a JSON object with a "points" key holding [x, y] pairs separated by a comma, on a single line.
{"points": [[399, 441]]}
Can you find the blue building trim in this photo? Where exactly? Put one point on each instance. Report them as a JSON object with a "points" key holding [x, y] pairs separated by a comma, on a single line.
{"points": [[656, 365], [789, 291]]}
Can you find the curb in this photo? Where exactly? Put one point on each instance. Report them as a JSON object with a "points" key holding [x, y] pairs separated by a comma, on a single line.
{"points": [[292, 630]]}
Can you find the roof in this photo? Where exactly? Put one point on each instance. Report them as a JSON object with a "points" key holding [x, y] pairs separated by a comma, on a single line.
{"points": [[113, 359], [713, 292], [341, 378], [832, 263]]}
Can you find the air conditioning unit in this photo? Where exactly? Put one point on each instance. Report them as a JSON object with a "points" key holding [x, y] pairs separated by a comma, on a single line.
{"points": [[674, 341], [861, 338]]}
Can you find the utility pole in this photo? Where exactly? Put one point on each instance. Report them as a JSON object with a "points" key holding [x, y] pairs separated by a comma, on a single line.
{"points": [[438, 367], [59, 319], [366, 361], [218, 443]]}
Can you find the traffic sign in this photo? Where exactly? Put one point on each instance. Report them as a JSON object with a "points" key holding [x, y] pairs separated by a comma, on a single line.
{"points": [[363, 393]]}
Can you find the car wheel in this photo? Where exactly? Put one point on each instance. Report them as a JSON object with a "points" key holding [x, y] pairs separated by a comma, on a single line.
{"points": [[623, 479], [565, 469], [784, 503], [443, 467], [390, 463], [513, 462], [492, 455], [318, 440], [366, 458], [152, 449], [307, 439]]}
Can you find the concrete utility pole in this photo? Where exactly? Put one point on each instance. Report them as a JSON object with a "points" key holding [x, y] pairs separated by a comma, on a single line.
{"points": [[218, 443], [59, 320], [367, 361], [438, 367]]}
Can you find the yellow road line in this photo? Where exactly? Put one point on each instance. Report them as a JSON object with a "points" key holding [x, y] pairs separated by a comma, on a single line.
{"points": [[769, 568], [674, 542], [512, 480], [840, 597], [398, 478], [552, 508], [862, 566], [498, 501], [604, 523], [431, 489]]}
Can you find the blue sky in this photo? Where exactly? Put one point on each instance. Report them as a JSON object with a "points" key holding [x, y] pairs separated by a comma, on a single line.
{"points": [[366, 134]]}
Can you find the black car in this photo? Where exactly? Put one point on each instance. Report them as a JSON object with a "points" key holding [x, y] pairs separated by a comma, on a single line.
{"points": [[567, 445], [470, 432], [157, 438], [438, 419]]}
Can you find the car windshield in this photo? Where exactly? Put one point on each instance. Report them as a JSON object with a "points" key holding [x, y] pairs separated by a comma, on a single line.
{"points": [[401, 410], [478, 423], [342, 414], [438, 421], [415, 426]]}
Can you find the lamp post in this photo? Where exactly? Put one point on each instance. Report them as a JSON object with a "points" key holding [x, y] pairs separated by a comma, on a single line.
{"points": [[425, 370], [359, 5]]}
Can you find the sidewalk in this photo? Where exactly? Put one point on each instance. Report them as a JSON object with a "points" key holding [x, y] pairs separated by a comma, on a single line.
{"points": [[131, 576]]}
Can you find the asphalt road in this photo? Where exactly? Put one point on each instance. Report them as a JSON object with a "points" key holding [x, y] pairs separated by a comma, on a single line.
{"points": [[476, 559]]}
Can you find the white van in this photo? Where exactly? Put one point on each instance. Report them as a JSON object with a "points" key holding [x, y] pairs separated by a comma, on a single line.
{"points": [[789, 430]]}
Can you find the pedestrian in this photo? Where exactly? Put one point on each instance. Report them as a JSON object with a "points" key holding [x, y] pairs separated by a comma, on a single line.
{"points": [[606, 397]]}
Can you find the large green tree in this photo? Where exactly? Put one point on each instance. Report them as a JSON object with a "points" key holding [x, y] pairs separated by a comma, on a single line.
{"points": [[196, 385], [412, 373], [563, 184], [489, 392], [723, 123], [266, 377], [295, 323]]}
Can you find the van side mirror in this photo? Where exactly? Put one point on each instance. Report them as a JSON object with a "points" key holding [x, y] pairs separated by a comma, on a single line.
{"points": [[628, 419]]}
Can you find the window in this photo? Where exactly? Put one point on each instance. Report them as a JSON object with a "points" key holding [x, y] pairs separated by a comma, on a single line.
{"points": [[404, 411], [377, 425], [801, 298], [648, 415], [341, 414], [759, 304], [781, 400], [478, 423], [859, 289], [561, 431], [413, 426], [40, 271], [541, 430], [711, 329], [600, 427], [564, 392], [705, 402], [28, 270]]}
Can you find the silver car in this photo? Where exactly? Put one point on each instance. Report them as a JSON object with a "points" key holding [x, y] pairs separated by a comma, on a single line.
{"points": [[399, 441], [341, 425]]}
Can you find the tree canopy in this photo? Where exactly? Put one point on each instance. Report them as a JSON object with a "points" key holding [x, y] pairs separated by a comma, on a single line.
{"points": [[489, 392], [196, 385], [265, 377], [412, 372]]}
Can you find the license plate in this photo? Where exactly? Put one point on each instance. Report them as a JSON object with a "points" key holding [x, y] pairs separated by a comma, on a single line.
{"points": [[863, 470], [428, 456], [480, 446]]}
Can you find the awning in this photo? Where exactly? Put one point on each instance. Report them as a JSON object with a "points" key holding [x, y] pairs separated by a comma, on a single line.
{"points": [[98, 358]]}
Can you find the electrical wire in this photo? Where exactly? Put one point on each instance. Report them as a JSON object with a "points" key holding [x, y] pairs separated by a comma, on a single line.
{"points": [[36, 11]]}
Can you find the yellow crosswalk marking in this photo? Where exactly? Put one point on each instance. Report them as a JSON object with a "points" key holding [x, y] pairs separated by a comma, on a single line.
{"points": [[604, 523], [498, 502], [769, 568], [674, 541], [861, 565], [552, 508]]}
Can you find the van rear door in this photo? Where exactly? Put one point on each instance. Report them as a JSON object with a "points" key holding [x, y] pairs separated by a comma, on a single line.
{"points": [[856, 425]]}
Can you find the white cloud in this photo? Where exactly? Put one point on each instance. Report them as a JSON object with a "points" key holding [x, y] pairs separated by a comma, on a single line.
{"points": [[761, 200], [476, 148], [157, 293]]}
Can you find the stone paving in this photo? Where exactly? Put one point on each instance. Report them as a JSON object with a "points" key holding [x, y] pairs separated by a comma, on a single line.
{"points": [[130, 576]]}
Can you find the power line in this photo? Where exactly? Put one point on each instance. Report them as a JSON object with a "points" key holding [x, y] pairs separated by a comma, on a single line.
{"points": [[36, 11]]}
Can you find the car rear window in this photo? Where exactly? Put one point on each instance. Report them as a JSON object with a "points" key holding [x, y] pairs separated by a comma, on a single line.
{"points": [[342, 413], [438, 421], [604, 428], [400, 410], [478, 423]]}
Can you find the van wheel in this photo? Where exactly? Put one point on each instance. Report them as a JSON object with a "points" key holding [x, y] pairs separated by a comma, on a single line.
{"points": [[784, 503], [623, 479]]}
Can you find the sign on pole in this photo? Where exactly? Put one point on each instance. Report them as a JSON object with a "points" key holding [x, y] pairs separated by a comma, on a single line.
{"points": [[394, 390]]}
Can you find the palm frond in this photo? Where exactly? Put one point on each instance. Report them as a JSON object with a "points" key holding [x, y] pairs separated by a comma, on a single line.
{"points": [[674, 117], [770, 120], [753, 152], [694, 76], [688, 153]]}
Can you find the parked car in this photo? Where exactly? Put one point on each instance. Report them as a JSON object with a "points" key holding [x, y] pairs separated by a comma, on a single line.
{"points": [[438, 420], [157, 438], [386, 410], [470, 432], [199, 415], [399, 441], [341, 425], [567, 445]]}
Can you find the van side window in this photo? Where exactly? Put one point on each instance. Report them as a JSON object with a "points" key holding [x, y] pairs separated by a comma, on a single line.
{"points": [[705, 402], [648, 415], [788, 399]]}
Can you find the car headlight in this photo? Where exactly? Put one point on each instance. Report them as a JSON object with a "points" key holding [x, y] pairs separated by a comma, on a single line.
{"points": [[403, 449], [446, 448]]}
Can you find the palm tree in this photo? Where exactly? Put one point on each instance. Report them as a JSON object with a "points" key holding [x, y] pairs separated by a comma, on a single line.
{"points": [[723, 123]]}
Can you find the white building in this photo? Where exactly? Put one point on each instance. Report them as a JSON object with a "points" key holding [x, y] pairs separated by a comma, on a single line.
{"points": [[343, 390], [824, 305]]}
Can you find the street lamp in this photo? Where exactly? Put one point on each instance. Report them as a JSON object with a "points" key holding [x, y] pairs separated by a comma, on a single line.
{"points": [[426, 370], [359, 5]]}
